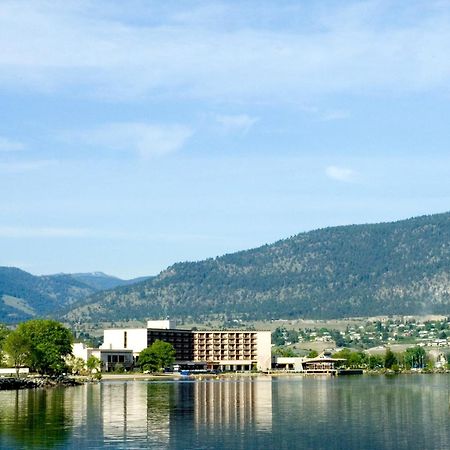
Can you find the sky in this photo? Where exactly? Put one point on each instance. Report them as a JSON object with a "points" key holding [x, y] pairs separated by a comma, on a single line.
{"points": [[137, 134]]}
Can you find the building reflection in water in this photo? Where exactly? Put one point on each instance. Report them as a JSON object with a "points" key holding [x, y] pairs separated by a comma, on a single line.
{"points": [[166, 414], [362, 412], [137, 411], [233, 403]]}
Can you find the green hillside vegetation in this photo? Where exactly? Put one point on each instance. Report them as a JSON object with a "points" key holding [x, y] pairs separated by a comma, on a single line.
{"points": [[23, 295], [101, 282], [359, 270]]}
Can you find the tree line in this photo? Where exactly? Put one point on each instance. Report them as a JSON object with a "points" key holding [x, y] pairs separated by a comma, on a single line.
{"points": [[39, 344], [411, 358]]}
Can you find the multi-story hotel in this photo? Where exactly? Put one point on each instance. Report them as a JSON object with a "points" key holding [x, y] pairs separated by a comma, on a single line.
{"points": [[220, 350]]}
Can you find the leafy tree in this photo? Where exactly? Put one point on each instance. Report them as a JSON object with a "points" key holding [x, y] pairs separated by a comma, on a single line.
{"points": [[376, 362], [75, 365], [159, 355], [389, 359], [3, 335], [354, 359], [279, 336], [119, 368], [313, 354], [338, 338], [49, 342], [415, 357], [94, 364], [18, 348], [284, 352]]}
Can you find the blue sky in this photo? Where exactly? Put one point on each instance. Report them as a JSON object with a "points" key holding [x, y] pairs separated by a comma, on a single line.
{"points": [[137, 134]]}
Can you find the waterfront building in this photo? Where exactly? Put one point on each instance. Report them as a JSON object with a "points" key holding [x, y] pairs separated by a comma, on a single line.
{"points": [[108, 356], [323, 363], [211, 349]]}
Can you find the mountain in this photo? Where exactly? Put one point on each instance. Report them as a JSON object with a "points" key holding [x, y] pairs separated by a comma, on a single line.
{"points": [[23, 296], [100, 281], [357, 270]]}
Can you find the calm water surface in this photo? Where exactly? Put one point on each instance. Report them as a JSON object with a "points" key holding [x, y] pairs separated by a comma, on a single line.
{"points": [[362, 412]]}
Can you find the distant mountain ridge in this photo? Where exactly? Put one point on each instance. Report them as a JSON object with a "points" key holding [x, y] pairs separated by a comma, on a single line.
{"points": [[23, 295], [101, 281], [357, 270]]}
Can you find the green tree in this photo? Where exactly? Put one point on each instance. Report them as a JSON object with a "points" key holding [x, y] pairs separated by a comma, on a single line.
{"points": [[156, 357], [3, 335], [49, 342], [389, 359], [376, 362], [279, 336], [354, 359], [94, 364], [312, 354], [18, 348], [284, 352], [75, 365], [415, 358]]}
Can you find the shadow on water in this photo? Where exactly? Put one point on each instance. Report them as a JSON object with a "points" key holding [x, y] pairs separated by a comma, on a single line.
{"points": [[34, 418]]}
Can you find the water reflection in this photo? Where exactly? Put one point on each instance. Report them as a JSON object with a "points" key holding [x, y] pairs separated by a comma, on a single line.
{"points": [[409, 412], [34, 419]]}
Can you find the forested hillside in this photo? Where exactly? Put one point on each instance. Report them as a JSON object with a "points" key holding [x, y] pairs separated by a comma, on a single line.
{"points": [[23, 295], [390, 268], [101, 281]]}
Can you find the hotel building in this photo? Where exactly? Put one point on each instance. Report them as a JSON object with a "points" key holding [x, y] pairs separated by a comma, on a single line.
{"points": [[219, 350]]}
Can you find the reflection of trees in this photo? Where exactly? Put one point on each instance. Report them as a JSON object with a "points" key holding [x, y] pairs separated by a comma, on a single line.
{"points": [[159, 404], [33, 418]]}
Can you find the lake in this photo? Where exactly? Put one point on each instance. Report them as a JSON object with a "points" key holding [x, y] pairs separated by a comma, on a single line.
{"points": [[358, 412]]}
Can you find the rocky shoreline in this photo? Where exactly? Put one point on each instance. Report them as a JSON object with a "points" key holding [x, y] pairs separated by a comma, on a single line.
{"points": [[13, 383]]}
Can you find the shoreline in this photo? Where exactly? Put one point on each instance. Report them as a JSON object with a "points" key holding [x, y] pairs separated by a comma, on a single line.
{"points": [[39, 382]]}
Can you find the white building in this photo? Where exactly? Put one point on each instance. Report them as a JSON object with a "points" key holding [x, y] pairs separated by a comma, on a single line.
{"points": [[109, 356], [221, 350]]}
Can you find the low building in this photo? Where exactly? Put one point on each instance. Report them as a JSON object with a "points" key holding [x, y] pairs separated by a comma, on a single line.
{"points": [[321, 364], [109, 357]]}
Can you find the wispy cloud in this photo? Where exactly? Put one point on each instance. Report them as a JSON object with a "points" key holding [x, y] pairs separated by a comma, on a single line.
{"points": [[340, 173], [335, 114], [147, 140], [236, 123], [222, 53], [9, 145]]}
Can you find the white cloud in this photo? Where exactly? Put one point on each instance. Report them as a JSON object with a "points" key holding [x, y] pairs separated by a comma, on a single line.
{"points": [[335, 114], [8, 145], [222, 53], [236, 123], [340, 173], [143, 138]]}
